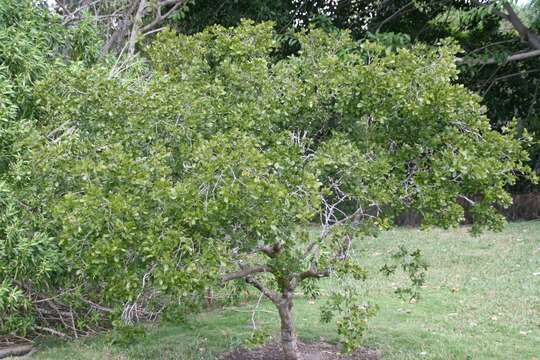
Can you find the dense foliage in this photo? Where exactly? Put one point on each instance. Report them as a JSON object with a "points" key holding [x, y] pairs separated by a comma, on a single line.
{"points": [[487, 30], [31, 40], [508, 88]]}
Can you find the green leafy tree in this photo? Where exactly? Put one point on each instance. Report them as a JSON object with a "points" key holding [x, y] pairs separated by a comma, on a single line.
{"points": [[361, 136], [146, 182], [499, 40], [32, 40]]}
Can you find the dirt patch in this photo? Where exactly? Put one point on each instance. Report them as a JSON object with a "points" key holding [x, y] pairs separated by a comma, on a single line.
{"points": [[310, 351]]}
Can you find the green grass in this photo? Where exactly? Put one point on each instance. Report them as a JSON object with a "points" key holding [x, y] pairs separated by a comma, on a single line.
{"points": [[481, 301]]}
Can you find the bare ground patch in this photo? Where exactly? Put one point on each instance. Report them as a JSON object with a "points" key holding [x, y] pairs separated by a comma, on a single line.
{"points": [[309, 351]]}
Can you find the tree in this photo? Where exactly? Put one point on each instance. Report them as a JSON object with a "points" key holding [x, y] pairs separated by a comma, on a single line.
{"points": [[206, 13], [123, 22], [339, 130], [499, 59], [146, 183]]}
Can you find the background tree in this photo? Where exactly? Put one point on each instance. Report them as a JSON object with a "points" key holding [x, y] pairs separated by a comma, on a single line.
{"points": [[32, 41], [122, 22], [499, 41]]}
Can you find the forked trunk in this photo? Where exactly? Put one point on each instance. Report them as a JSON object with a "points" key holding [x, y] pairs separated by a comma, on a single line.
{"points": [[288, 335]]}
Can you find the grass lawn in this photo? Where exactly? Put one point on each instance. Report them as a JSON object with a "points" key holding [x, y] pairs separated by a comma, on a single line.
{"points": [[481, 301]]}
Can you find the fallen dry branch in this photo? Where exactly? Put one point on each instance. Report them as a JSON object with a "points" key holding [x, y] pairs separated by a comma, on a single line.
{"points": [[17, 350]]}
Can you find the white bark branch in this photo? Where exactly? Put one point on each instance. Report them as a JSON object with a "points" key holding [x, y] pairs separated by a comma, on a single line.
{"points": [[135, 29], [526, 34], [516, 57], [159, 17]]}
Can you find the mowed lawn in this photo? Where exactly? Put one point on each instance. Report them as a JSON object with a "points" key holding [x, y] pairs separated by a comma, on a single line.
{"points": [[481, 301]]}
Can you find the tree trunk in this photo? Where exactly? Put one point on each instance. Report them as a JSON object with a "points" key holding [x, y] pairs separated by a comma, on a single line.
{"points": [[288, 335], [137, 22]]}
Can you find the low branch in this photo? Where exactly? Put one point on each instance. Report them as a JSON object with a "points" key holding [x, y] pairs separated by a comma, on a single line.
{"points": [[245, 272], [270, 250], [52, 331], [19, 350], [271, 295], [312, 273], [98, 307]]}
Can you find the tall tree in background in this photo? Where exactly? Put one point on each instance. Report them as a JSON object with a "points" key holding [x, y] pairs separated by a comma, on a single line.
{"points": [[123, 22], [32, 39], [500, 59]]}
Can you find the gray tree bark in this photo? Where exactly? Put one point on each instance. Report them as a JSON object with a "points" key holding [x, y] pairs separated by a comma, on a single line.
{"points": [[288, 335]]}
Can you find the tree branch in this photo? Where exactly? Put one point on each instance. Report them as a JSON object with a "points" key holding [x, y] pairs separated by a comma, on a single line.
{"points": [[313, 273], [477, 50], [468, 200], [98, 307], [272, 295], [19, 350], [52, 331], [135, 29], [516, 57], [521, 73], [396, 14], [494, 10], [245, 272], [169, 2], [524, 32], [159, 17], [64, 8], [120, 32], [270, 250]]}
